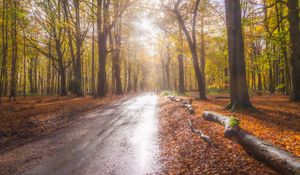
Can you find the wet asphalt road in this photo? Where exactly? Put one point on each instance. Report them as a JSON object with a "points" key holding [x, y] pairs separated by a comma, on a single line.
{"points": [[120, 139]]}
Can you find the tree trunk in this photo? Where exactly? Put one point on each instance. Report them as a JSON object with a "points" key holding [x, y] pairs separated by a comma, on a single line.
{"points": [[167, 69], [30, 75], [164, 82], [175, 77], [76, 58], [102, 65], [61, 67], [35, 73], [239, 97], [13, 77], [113, 67], [4, 27], [271, 79], [295, 48], [79, 41], [135, 76], [181, 88], [48, 91], [63, 90], [52, 87], [226, 76], [126, 62], [129, 87], [259, 82], [102, 32], [253, 68], [202, 47], [118, 34], [24, 67], [93, 50], [283, 49]]}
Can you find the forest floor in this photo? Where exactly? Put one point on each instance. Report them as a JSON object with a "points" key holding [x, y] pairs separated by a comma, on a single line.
{"points": [[32, 117], [277, 121]]}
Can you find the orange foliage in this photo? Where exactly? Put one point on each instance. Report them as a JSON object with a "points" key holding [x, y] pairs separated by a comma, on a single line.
{"points": [[184, 152]]}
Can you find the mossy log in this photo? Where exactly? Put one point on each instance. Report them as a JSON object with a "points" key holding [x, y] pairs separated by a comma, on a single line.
{"points": [[273, 156]]}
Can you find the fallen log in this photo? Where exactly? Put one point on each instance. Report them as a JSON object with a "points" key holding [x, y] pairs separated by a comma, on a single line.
{"points": [[188, 105], [171, 97], [225, 121], [191, 110], [184, 102], [204, 137], [273, 156]]}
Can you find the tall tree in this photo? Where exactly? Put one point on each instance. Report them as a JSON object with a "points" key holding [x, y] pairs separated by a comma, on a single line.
{"points": [[181, 88], [24, 66], [4, 37], [51, 23], [283, 46], [202, 41], [293, 6], [116, 50], [79, 38], [105, 22], [239, 97], [192, 42], [93, 49], [102, 31], [268, 47], [14, 55], [74, 27]]}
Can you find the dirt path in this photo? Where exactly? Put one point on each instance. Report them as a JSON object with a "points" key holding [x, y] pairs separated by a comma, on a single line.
{"points": [[116, 139]]}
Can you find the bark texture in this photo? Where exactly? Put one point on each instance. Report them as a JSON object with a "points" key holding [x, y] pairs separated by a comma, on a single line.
{"points": [[295, 48]]}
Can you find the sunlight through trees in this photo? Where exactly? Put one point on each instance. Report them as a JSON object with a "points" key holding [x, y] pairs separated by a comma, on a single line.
{"points": [[117, 46]]}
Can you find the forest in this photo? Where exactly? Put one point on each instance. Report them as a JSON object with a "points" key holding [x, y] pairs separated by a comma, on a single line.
{"points": [[63, 59], [97, 47]]}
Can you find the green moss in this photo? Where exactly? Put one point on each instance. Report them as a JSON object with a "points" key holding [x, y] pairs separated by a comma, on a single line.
{"points": [[234, 122]]}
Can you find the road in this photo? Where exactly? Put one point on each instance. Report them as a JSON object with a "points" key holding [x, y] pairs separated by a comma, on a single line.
{"points": [[121, 138]]}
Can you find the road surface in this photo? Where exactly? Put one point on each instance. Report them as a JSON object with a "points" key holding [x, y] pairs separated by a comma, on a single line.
{"points": [[119, 139]]}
